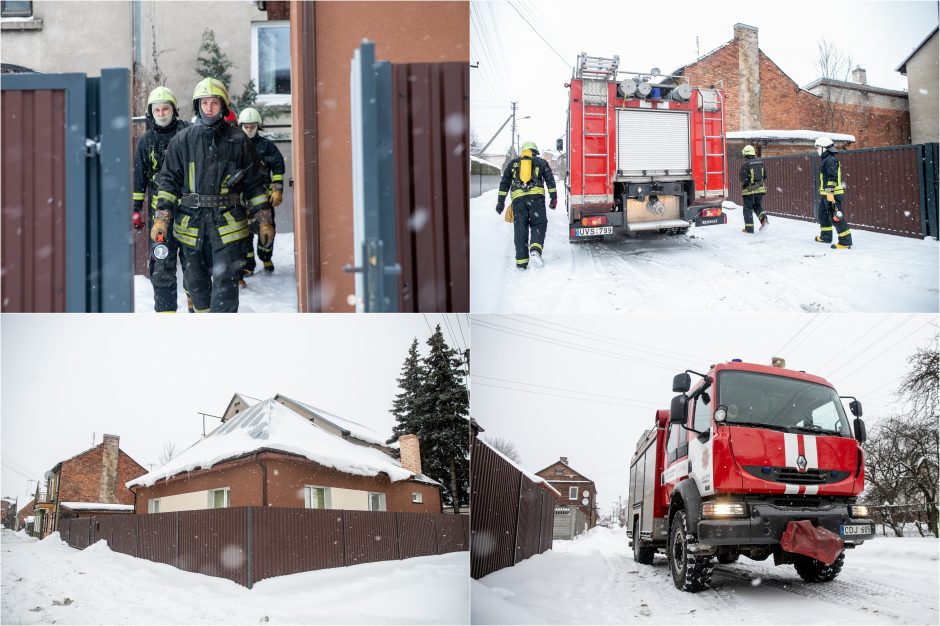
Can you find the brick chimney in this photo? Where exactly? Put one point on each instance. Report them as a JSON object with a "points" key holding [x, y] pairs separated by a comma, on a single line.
{"points": [[410, 450], [564, 460], [107, 486], [859, 76], [748, 77]]}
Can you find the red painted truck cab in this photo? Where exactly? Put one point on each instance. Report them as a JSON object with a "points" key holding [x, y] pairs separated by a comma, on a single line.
{"points": [[740, 456]]}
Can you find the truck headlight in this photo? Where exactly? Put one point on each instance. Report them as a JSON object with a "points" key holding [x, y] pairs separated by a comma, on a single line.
{"points": [[723, 509], [858, 510]]}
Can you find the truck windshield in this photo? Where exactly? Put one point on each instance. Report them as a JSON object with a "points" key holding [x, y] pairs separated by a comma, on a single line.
{"points": [[780, 402]]}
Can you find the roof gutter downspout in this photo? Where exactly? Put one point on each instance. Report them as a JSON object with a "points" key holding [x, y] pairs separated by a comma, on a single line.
{"points": [[264, 480]]}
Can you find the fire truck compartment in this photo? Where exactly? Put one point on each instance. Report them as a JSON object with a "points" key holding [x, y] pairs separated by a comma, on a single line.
{"points": [[652, 208], [652, 141], [767, 522]]}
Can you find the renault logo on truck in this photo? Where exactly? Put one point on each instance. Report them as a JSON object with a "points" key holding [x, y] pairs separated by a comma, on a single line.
{"points": [[801, 463]]}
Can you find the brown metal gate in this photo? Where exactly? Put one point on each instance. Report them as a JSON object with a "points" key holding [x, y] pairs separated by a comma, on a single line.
{"points": [[431, 121]]}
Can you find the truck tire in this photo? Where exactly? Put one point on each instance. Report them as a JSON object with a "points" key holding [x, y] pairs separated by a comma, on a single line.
{"points": [[641, 554], [813, 571], [689, 572]]}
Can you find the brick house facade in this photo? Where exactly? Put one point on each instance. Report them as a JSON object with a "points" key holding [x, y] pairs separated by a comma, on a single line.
{"points": [[576, 489], [760, 95], [96, 475]]}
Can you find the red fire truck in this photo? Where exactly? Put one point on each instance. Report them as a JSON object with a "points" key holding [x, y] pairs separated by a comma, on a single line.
{"points": [[754, 460], [642, 156]]}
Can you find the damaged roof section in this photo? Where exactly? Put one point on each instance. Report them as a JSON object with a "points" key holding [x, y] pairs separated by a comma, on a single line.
{"points": [[272, 425]]}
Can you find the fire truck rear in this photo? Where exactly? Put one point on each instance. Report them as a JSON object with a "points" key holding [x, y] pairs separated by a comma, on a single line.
{"points": [[642, 156], [757, 461]]}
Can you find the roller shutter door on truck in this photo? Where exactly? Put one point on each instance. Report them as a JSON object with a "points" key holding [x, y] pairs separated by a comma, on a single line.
{"points": [[654, 141]]}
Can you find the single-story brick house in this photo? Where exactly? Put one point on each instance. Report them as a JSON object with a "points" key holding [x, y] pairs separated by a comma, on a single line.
{"points": [[272, 453]]}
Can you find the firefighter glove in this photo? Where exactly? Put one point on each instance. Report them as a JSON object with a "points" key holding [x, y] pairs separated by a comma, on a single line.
{"points": [[161, 223], [138, 220], [265, 219], [500, 205], [830, 197], [277, 194], [509, 216], [553, 203]]}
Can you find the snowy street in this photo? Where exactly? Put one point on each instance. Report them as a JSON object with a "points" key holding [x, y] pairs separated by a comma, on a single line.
{"points": [[47, 582], [594, 580], [265, 293], [712, 269]]}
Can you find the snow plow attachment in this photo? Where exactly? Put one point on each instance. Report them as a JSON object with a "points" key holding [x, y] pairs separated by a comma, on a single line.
{"points": [[818, 543]]}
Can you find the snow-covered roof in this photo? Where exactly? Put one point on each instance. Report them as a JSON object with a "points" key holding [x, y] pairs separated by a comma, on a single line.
{"points": [[483, 161], [270, 425], [788, 135], [96, 506], [355, 429], [856, 86], [533, 477]]}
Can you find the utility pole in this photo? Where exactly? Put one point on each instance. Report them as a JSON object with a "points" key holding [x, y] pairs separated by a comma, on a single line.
{"points": [[512, 140]]}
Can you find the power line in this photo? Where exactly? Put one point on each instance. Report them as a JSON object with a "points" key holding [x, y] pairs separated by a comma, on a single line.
{"points": [[545, 393], [430, 330], [894, 345], [534, 30], [841, 353], [465, 344], [784, 346], [554, 388], [13, 469], [871, 345]]}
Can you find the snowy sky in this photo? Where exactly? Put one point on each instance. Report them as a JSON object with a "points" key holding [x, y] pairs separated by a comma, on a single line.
{"points": [[516, 64], [68, 377], [586, 387]]}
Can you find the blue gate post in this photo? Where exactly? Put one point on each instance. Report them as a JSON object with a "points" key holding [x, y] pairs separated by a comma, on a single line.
{"points": [[374, 229]]}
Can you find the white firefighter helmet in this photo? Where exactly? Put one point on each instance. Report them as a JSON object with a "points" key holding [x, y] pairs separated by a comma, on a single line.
{"points": [[823, 142], [250, 116]]}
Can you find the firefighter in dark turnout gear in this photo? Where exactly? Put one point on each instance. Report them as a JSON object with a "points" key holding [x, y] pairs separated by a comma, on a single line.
{"points": [[829, 210], [273, 176], [525, 179], [753, 188], [163, 114], [206, 167]]}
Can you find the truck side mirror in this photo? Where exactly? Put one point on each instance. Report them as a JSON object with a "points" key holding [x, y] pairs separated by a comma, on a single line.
{"points": [[681, 382], [856, 407], [677, 409], [860, 430], [560, 145]]}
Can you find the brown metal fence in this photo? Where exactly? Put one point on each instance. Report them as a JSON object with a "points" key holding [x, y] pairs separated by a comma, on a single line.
{"points": [[888, 190], [431, 121], [248, 544], [512, 516], [34, 201]]}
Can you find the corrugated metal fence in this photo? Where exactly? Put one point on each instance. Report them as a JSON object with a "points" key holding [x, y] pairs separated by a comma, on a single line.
{"points": [[889, 190], [248, 544], [512, 516], [431, 122]]}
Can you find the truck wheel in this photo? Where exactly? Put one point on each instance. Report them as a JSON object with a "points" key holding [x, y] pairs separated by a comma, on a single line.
{"points": [[641, 554], [813, 571], [689, 571]]}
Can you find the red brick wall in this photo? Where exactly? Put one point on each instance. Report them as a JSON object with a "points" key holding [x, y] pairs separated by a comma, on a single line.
{"points": [[79, 478], [784, 106]]}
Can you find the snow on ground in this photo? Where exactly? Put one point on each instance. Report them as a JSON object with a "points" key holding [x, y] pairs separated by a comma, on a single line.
{"points": [[713, 269], [46, 582], [265, 293], [594, 580]]}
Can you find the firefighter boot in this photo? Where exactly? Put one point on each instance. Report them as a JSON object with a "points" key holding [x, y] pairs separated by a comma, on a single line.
{"points": [[242, 283], [535, 257], [189, 304], [268, 267], [764, 221]]}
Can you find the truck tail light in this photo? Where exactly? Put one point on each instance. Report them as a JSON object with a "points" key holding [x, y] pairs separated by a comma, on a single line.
{"points": [[723, 509], [858, 510], [716, 212], [598, 220]]}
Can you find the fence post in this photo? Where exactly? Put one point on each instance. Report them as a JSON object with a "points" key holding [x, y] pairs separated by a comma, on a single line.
{"points": [[179, 522], [515, 531], [250, 549], [91, 525], [342, 518], [541, 518], [398, 533]]}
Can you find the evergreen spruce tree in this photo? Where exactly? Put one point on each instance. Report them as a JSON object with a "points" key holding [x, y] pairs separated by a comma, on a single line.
{"points": [[435, 409]]}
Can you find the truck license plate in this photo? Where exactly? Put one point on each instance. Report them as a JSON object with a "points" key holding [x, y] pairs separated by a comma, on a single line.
{"points": [[590, 232], [856, 529]]}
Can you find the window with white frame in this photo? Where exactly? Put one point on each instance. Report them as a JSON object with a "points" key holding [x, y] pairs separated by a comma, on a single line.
{"points": [[376, 501], [416, 497], [16, 8], [270, 61], [153, 505], [572, 493], [218, 498], [317, 497]]}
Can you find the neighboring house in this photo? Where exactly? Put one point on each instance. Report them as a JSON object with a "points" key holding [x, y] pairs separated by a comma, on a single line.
{"points": [[576, 489], [89, 483], [921, 69], [760, 96], [26, 517], [8, 513], [282, 453]]}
